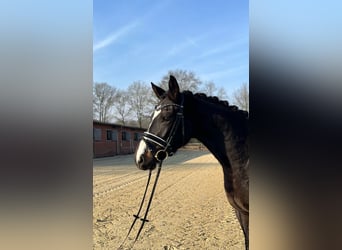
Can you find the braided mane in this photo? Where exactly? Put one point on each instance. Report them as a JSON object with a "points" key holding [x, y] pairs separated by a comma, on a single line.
{"points": [[216, 100]]}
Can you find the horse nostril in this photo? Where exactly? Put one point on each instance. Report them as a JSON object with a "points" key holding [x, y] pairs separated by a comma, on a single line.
{"points": [[141, 160]]}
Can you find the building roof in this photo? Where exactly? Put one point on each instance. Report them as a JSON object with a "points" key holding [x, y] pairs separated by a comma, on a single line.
{"points": [[115, 125]]}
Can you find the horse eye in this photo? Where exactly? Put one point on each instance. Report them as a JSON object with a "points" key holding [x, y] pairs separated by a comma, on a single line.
{"points": [[166, 118], [166, 108]]}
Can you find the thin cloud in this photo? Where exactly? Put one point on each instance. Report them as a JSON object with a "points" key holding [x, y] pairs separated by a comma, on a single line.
{"points": [[224, 72], [189, 42], [224, 48], [115, 36]]}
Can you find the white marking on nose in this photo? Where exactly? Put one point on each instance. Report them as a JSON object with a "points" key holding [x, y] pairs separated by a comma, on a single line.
{"points": [[141, 150], [155, 114]]}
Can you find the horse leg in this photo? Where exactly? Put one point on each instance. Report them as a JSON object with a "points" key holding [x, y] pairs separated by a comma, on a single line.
{"points": [[244, 223]]}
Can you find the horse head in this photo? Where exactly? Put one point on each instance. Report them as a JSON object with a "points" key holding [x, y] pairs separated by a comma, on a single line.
{"points": [[166, 132]]}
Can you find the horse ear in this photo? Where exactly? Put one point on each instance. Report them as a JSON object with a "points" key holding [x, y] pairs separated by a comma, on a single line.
{"points": [[158, 91], [173, 88]]}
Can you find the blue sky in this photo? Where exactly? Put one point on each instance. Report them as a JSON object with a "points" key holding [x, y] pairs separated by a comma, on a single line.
{"points": [[141, 40]]}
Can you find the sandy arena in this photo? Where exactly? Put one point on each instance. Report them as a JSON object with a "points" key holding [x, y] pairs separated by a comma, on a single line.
{"points": [[189, 209]]}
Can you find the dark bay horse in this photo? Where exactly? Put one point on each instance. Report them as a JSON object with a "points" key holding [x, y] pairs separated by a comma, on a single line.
{"points": [[222, 128]]}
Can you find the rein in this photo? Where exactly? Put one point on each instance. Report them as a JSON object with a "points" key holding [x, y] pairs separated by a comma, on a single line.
{"points": [[137, 216], [160, 156]]}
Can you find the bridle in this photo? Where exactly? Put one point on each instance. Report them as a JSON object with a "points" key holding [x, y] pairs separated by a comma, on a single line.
{"points": [[166, 145], [165, 151]]}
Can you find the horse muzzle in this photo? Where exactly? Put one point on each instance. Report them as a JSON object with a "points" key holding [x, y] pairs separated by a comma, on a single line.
{"points": [[144, 158]]}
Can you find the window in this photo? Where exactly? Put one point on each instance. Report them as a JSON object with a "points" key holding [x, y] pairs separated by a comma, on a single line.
{"points": [[109, 135], [125, 136], [114, 135], [136, 136], [97, 134]]}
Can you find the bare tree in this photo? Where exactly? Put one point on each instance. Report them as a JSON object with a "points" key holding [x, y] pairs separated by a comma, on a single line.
{"points": [[221, 93], [103, 100], [187, 80], [241, 97], [122, 107], [141, 102], [209, 88]]}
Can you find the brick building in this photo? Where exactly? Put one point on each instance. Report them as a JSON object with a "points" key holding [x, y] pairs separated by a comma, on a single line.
{"points": [[111, 139]]}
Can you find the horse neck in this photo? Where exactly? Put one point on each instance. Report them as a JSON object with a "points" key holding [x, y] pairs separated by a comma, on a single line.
{"points": [[220, 132]]}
